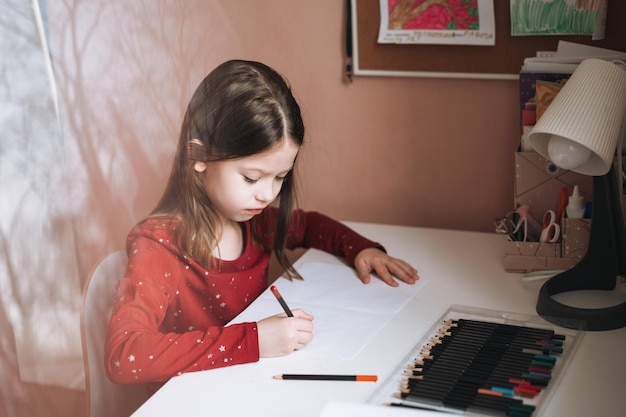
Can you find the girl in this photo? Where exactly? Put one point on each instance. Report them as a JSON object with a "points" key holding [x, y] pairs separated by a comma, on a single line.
{"points": [[201, 257]]}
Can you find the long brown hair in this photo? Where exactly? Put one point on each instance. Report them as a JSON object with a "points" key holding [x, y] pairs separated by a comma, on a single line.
{"points": [[241, 108]]}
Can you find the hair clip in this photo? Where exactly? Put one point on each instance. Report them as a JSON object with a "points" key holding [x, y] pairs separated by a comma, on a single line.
{"points": [[196, 151]]}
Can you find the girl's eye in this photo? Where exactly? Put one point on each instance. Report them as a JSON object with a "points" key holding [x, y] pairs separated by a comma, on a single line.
{"points": [[249, 180], [280, 178]]}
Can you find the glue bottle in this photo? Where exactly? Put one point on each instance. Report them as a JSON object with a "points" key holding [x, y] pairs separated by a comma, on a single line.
{"points": [[576, 206]]}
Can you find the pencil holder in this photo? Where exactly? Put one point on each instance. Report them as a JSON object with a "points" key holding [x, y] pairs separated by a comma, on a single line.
{"points": [[575, 238], [536, 256], [538, 184]]}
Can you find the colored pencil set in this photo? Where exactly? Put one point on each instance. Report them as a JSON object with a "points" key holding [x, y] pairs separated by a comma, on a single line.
{"points": [[482, 367]]}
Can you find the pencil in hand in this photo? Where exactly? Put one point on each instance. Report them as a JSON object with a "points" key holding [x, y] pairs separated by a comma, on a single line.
{"points": [[281, 300]]}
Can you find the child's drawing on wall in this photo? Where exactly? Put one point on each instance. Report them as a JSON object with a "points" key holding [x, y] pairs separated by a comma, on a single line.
{"points": [[433, 14], [557, 17], [459, 22]]}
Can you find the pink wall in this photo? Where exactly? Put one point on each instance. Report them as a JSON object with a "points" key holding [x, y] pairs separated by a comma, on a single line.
{"points": [[413, 151], [422, 152]]}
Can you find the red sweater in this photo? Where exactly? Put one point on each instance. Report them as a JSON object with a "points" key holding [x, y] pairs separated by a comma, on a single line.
{"points": [[170, 314]]}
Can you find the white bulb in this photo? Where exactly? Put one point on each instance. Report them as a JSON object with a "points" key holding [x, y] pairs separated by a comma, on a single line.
{"points": [[566, 153]]}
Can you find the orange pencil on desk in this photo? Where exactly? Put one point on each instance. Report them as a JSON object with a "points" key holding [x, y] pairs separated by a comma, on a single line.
{"points": [[328, 377]]}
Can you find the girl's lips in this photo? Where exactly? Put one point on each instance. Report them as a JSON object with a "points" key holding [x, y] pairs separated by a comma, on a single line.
{"points": [[254, 211]]}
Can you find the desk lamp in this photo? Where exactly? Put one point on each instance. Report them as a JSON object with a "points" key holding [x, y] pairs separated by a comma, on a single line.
{"points": [[579, 131]]}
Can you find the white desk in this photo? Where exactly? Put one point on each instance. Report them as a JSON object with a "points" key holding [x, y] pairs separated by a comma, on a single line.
{"points": [[461, 268]]}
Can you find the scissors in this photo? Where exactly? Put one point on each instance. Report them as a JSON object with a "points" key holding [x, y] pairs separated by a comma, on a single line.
{"points": [[551, 231], [519, 225]]}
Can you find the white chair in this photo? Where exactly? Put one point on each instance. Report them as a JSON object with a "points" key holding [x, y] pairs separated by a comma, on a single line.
{"points": [[104, 398]]}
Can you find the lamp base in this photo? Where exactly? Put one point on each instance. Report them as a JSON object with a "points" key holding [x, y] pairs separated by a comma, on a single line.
{"points": [[601, 267]]}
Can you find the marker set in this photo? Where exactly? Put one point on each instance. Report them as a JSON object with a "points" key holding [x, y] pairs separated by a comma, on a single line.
{"points": [[481, 366]]}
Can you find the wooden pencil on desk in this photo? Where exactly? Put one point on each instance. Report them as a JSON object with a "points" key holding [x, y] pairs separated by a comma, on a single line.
{"points": [[328, 377]]}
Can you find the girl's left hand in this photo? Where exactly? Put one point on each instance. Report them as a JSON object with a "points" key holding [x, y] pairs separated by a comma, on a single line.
{"points": [[386, 267]]}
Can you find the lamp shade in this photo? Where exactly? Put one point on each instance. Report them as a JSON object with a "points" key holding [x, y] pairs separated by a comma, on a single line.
{"points": [[587, 116]]}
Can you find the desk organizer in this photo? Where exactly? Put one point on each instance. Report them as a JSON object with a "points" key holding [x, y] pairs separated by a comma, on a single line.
{"points": [[538, 184], [537, 256], [482, 362]]}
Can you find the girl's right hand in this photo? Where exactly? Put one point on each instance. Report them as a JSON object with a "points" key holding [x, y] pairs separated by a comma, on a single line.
{"points": [[280, 335]]}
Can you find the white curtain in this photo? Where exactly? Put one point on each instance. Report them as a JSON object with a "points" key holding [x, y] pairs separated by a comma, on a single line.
{"points": [[92, 94], [70, 168], [40, 291]]}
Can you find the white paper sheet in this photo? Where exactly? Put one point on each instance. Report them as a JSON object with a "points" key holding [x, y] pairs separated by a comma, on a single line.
{"points": [[567, 57], [347, 312]]}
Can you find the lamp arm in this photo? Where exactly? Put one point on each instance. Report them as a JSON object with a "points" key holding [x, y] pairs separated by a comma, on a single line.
{"points": [[620, 174], [620, 143], [599, 269]]}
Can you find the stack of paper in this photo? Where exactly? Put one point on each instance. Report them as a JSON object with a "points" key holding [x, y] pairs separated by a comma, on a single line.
{"points": [[567, 57]]}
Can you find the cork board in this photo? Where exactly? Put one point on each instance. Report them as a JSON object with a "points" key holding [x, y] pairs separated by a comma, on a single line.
{"points": [[502, 61]]}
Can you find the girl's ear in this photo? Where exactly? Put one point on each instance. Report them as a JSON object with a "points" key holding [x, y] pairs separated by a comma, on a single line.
{"points": [[199, 166]]}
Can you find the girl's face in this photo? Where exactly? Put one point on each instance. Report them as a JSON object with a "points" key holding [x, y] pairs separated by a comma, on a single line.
{"points": [[241, 188]]}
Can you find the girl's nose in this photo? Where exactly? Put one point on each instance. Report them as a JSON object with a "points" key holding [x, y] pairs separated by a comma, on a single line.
{"points": [[268, 192]]}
